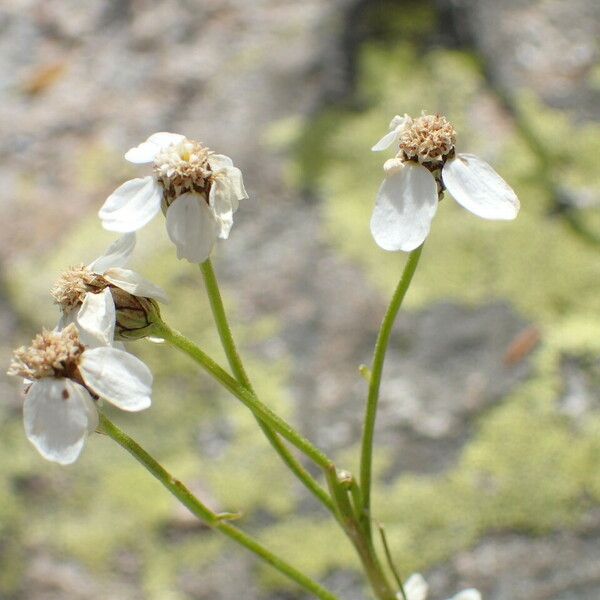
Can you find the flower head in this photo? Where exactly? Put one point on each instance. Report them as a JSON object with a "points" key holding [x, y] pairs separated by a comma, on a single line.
{"points": [[65, 379], [123, 300], [197, 189], [425, 165], [416, 588]]}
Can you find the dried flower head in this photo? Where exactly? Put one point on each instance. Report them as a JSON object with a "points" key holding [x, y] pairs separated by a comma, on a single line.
{"points": [[65, 378], [198, 189], [426, 165], [428, 139], [121, 298], [182, 168], [72, 285], [51, 354]]}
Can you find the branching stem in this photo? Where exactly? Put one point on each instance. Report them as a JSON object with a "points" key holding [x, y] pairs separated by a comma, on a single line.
{"points": [[213, 520], [239, 372]]}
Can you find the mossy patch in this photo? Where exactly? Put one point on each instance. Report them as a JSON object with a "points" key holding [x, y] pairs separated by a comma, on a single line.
{"points": [[465, 258], [99, 506], [527, 467]]}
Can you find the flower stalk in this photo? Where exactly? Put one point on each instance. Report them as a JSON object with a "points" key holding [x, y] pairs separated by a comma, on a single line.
{"points": [[341, 485], [69, 370], [202, 512], [381, 345], [239, 372], [262, 411]]}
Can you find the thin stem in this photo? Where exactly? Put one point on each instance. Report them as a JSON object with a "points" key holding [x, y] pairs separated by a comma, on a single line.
{"points": [[237, 367], [218, 310], [356, 498], [388, 556], [366, 458], [262, 411], [355, 531], [183, 494]]}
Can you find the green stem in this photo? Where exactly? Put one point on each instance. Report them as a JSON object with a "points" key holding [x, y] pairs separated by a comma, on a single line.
{"points": [[355, 531], [262, 411], [203, 513], [390, 560], [366, 458], [237, 367], [218, 310]]}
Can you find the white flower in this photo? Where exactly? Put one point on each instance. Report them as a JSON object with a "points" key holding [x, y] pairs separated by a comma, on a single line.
{"points": [[84, 293], [199, 191], [415, 179], [416, 588], [65, 379]]}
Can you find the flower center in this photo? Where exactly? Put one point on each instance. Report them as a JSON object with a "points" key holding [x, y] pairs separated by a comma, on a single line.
{"points": [[71, 287], [183, 168], [428, 139], [51, 354]]}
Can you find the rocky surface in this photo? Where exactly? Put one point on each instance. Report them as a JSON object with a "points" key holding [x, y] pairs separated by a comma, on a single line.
{"points": [[524, 567], [82, 82], [549, 47]]}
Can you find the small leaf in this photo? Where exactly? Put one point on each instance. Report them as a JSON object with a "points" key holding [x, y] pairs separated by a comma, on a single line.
{"points": [[365, 372]]}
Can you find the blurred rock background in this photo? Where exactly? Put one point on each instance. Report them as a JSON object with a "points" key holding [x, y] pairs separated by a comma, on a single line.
{"points": [[488, 440]]}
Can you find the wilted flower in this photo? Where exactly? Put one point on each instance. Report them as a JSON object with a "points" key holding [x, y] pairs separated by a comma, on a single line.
{"points": [[415, 180], [65, 379], [416, 588], [198, 190], [120, 299]]}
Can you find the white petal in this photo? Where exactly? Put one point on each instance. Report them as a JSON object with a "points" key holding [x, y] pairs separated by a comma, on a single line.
{"points": [[470, 594], [406, 203], [118, 377], [221, 201], [399, 122], [116, 255], [392, 165], [131, 205], [66, 319], [146, 151], [230, 182], [192, 227], [386, 141], [96, 319], [477, 187], [135, 284], [416, 587], [236, 185], [58, 414], [219, 161]]}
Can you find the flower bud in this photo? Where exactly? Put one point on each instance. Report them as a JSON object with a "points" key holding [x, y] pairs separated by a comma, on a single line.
{"points": [[135, 315]]}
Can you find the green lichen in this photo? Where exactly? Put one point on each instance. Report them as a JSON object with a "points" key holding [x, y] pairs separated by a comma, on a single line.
{"points": [[101, 506], [465, 258], [527, 466]]}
